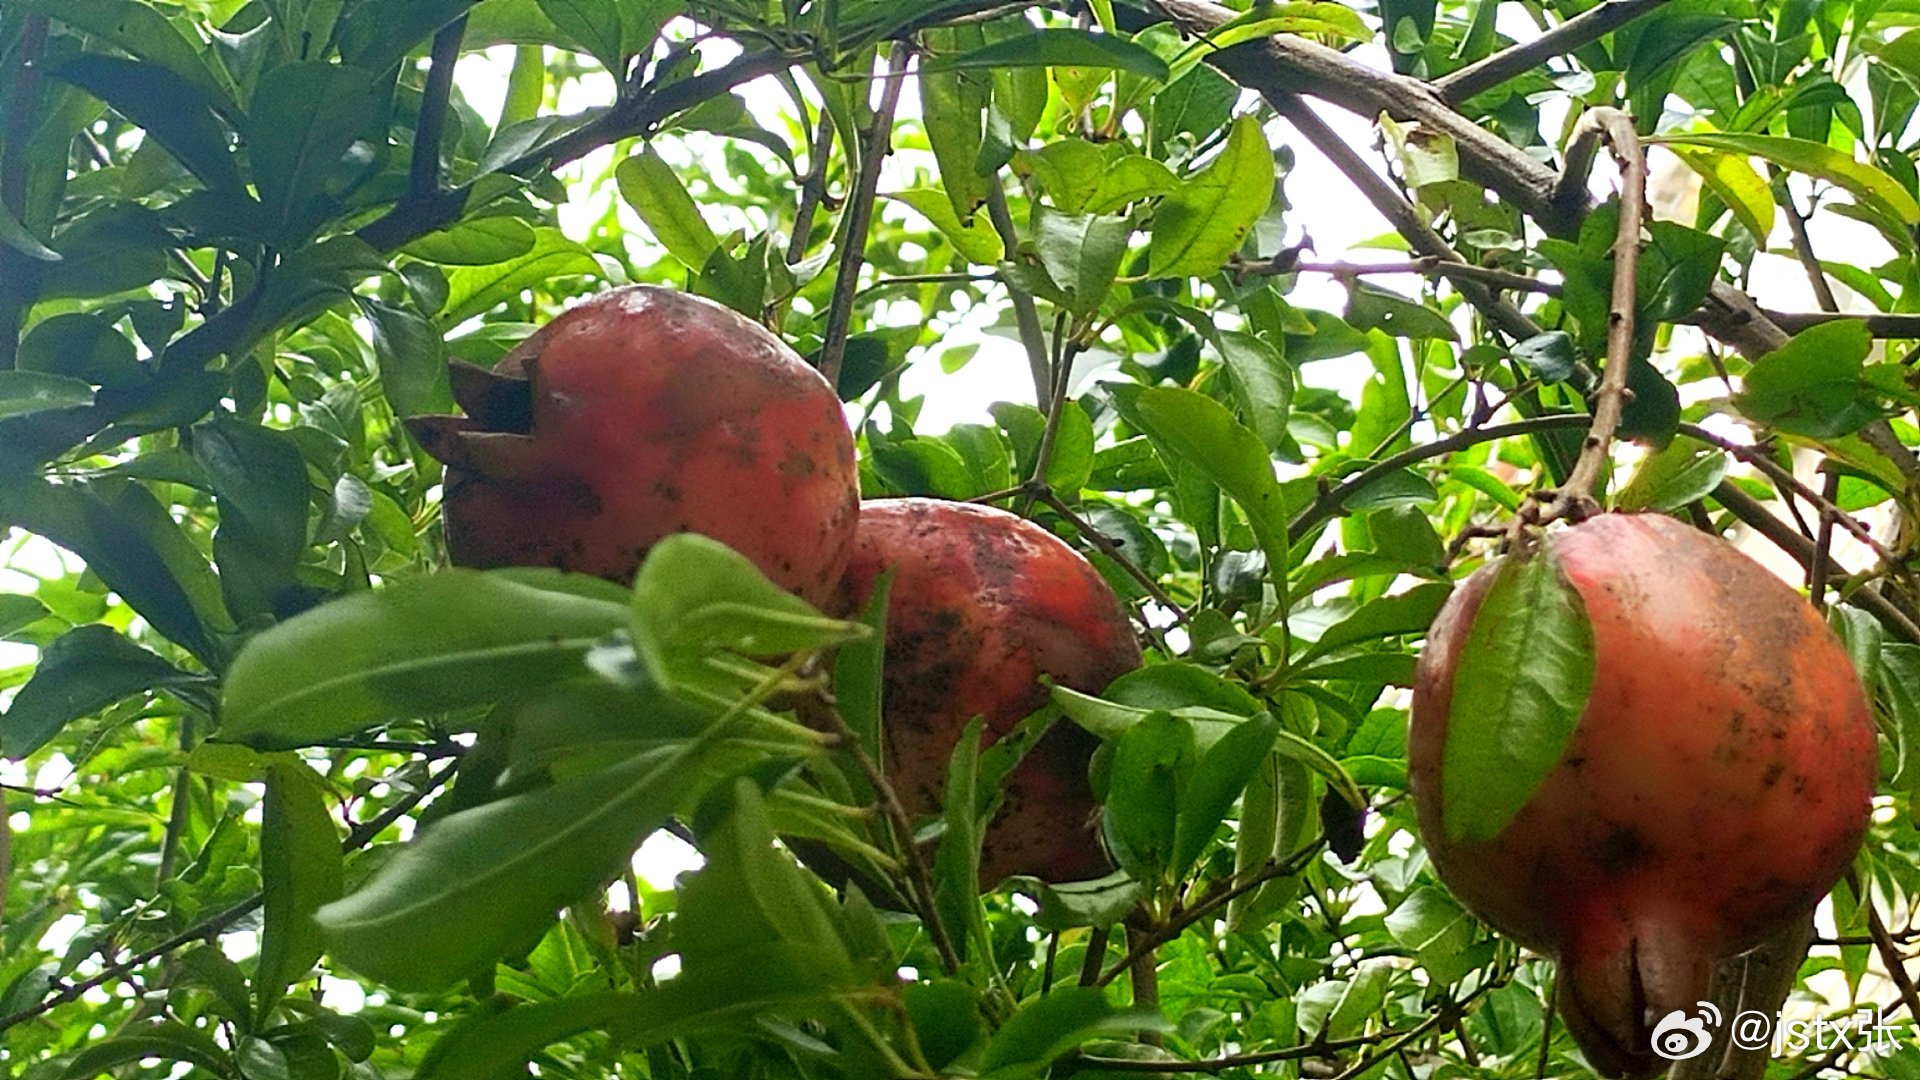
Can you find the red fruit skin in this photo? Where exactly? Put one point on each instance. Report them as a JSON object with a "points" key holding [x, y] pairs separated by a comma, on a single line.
{"points": [[984, 603], [655, 412], [1717, 785]]}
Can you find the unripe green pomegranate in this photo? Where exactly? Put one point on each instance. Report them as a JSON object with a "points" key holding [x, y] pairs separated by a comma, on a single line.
{"points": [[983, 604], [1716, 786], [636, 414]]}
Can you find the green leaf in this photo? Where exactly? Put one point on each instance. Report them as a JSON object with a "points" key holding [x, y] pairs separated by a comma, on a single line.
{"points": [[1065, 905], [953, 107], [1867, 183], [304, 117], [1060, 47], [1196, 428], [1815, 384], [167, 1041], [1218, 779], [428, 644], [956, 865], [1370, 307], [178, 114], [946, 1019], [485, 882], [82, 672], [1048, 1027], [1738, 184], [1262, 385], [412, 355], [1277, 814], [695, 595], [976, 240], [376, 36], [1072, 462], [857, 667], [1685, 471], [475, 242], [1550, 356], [81, 346], [595, 24], [16, 236], [1198, 227], [17, 612], [24, 392], [657, 194], [129, 540], [1153, 761], [1082, 254], [1521, 684], [300, 869], [142, 31], [472, 290], [259, 480]]}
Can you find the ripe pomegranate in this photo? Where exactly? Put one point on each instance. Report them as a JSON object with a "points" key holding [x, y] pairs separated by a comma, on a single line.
{"points": [[983, 604], [1715, 787], [640, 413]]}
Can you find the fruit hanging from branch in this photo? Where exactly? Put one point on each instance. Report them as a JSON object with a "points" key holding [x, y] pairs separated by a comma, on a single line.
{"points": [[1714, 783], [639, 413], [983, 604]]}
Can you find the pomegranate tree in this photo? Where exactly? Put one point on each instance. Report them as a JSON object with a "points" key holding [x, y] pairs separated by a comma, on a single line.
{"points": [[1714, 788], [983, 604], [636, 414]]}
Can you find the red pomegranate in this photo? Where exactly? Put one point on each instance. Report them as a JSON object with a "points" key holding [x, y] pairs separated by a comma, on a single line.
{"points": [[640, 413], [983, 604], [1715, 787]]}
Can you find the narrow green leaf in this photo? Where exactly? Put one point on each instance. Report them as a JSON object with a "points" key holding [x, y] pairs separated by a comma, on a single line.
{"points": [[178, 114], [24, 392], [485, 882], [80, 673], [300, 869], [1218, 779], [656, 193], [1198, 227], [139, 29], [474, 289], [1060, 47], [1869, 184], [1683, 472], [305, 116], [1048, 1027], [1815, 384], [167, 1041], [1524, 675], [1193, 427], [432, 643], [1262, 385], [412, 356], [595, 24], [953, 106], [976, 239]]}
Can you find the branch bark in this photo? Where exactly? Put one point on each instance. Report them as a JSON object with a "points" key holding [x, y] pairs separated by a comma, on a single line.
{"points": [[1581, 30]]}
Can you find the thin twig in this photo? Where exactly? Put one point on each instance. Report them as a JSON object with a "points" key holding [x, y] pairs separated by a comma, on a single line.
{"points": [[1575, 497], [1890, 957], [1823, 546], [813, 188], [1182, 918], [918, 878], [1110, 549], [1587, 27], [1401, 214], [859, 214], [1315, 1049], [1330, 501], [1428, 265]]}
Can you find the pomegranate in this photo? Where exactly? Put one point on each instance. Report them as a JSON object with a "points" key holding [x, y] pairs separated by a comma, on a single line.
{"points": [[640, 413], [1714, 788], [983, 604]]}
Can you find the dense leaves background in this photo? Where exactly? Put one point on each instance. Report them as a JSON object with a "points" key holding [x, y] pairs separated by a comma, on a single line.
{"points": [[294, 801]]}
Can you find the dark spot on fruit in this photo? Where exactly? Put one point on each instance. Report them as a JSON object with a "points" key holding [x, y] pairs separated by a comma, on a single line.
{"points": [[1621, 848], [1772, 774]]}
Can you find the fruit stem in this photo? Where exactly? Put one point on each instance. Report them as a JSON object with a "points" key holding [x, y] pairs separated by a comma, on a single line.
{"points": [[1575, 498]]}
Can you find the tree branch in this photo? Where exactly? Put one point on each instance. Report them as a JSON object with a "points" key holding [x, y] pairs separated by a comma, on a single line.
{"points": [[423, 176], [1581, 30], [859, 213]]}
